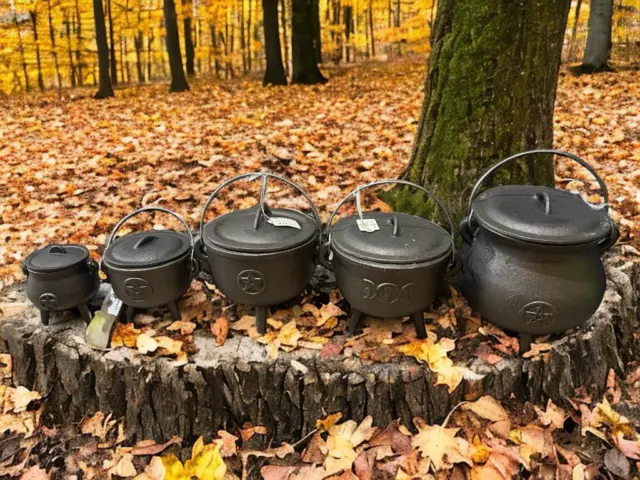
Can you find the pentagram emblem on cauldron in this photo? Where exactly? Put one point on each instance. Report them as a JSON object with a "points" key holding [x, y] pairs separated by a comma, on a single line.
{"points": [[49, 301], [538, 314], [252, 282], [138, 289]]}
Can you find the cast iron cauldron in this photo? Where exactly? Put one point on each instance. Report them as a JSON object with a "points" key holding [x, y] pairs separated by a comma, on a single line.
{"points": [[61, 277], [260, 256], [533, 264], [388, 264], [149, 269]]}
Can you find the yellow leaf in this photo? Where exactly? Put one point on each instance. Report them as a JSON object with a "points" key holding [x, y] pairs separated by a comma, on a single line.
{"points": [[488, 408], [146, 344], [206, 462], [174, 470], [441, 445]]}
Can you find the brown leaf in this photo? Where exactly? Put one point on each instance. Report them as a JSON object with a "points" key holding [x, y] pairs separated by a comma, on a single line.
{"points": [[488, 408], [220, 330], [228, 448], [316, 451], [185, 328], [393, 437], [150, 447]]}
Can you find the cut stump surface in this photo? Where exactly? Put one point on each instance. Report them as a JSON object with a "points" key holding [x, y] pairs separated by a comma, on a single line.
{"points": [[225, 386]]}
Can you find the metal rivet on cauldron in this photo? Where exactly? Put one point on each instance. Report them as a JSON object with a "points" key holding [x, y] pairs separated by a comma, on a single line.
{"points": [[533, 263], [259, 256], [388, 264]]}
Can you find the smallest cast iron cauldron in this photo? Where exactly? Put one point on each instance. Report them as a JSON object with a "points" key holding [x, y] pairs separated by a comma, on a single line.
{"points": [[533, 264], [260, 256], [388, 264], [61, 277], [149, 269]]}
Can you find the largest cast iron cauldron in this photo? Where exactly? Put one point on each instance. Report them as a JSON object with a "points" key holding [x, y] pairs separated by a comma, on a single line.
{"points": [[533, 264], [388, 264], [260, 256], [149, 269]]}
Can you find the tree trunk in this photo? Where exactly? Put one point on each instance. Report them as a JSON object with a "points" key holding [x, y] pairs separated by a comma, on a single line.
{"points": [[52, 38], [23, 59], [149, 45], [303, 49], [373, 40], [79, 46], [487, 96], [112, 46], [72, 68], [285, 42], [188, 46], [317, 34], [137, 43], [34, 24], [348, 30], [104, 82], [574, 32], [216, 49], [274, 73], [249, 36], [596, 53], [178, 80], [222, 387]]}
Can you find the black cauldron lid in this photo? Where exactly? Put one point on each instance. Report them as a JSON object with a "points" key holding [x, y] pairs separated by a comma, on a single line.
{"points": [[54, 258], [540, 215], [237, 230], [415, 240], [146, 249]]}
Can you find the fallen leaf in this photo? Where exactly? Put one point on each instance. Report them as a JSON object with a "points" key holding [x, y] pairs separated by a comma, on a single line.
{"points": [[440, 445], [146, 344], [150, 447], [488, 408], [220, 330], [185, 328]]}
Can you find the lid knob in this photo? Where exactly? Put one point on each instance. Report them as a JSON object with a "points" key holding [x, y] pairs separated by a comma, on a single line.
{"points": [[544, 197], [147, 239], [57, 250]]}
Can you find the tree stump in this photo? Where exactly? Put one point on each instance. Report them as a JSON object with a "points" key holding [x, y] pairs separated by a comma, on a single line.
{"points": [[235, 383]]}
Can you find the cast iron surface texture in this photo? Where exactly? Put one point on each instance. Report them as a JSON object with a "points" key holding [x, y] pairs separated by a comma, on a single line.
{"points": [[260, 256], [149, 269], [224, 386], [60, 277], [395, 270], [533, 265]]}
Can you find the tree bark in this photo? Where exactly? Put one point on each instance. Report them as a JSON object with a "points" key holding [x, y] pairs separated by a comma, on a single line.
{"points": [[490, 92], [23, 59], [178, 79], [303, 50], [574, 32], [137, 43], [104, 81], [79, 63], [188, 46], [72, 68], [373, 40], [52, 38], [348, 31], [112, 46], [285, 42], [274, 73], [34, 24], [223, 387], [317, 34], [598, 49]]}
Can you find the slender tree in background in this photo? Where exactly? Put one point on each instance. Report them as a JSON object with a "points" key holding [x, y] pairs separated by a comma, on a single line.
{"points": [[34, 24], [303, 53], [488, 95], [274, 73], [315, 25], [598, 49], [178, 79], [188, 42], [574, 31], [104, 80], [112, 46]]}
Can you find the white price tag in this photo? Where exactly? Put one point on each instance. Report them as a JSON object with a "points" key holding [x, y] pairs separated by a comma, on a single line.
{"points": [[115, 306], [367, 225], [284, 222]]}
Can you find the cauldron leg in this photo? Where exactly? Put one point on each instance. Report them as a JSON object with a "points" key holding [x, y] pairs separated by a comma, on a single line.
{"points": [[525, 340], [129, 313], [175, 311], [418, 322], [44, 316], [262, 313], [84, 312], [354, 320]]}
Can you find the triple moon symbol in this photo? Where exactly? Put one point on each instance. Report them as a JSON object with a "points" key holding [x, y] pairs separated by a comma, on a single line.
{"points": [[386, 292], [49, 301], [138, 289], [538, 313], [252, 282]]}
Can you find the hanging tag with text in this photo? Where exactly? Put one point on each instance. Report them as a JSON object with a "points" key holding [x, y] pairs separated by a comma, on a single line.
{"points": [[284, 222], [367, 224]]}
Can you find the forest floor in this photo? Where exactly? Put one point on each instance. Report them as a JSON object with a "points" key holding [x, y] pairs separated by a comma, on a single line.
{"points": [[71, 167]]}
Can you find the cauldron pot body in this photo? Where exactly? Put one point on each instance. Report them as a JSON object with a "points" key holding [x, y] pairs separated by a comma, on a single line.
{"points": [[153, 286], [534, 289], [262, 278], [62, 289], [388, 290]]}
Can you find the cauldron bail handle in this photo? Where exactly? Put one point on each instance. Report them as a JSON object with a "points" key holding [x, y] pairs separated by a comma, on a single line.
{"points": [[575, 158], [253, 176], [112, 237], [356, 193]]}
